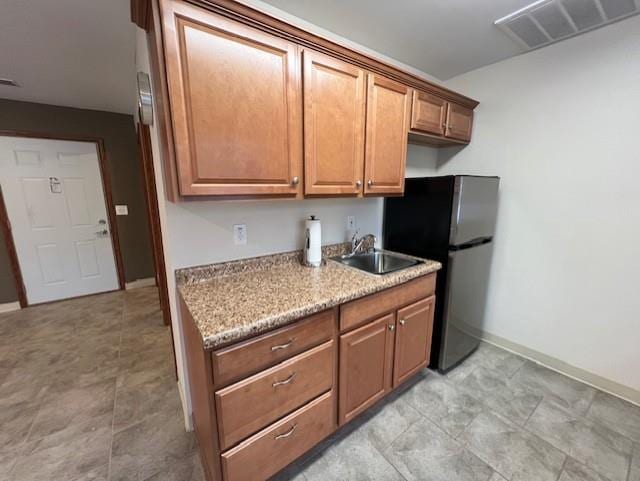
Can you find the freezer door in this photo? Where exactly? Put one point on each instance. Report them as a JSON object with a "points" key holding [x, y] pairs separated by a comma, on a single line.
{"points": [[465, 303], [475, 205]]}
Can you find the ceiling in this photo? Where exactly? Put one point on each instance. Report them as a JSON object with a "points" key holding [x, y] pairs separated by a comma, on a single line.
{"points": [[442, 38], [76, 53]]}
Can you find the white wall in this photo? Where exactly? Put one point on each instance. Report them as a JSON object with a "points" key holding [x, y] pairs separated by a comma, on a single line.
{"points": [[561, 127], [142, 65], [272, 226], [422, 161]]}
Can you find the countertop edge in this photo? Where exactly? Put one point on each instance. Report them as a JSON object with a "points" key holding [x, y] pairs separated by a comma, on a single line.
{"points": [[273, 322]]}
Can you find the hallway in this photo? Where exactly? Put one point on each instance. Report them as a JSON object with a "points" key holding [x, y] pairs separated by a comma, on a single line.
{"points": [[92, 376]]}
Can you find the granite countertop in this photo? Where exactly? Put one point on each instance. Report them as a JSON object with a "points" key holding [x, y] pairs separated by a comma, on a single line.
{"points": [[235, 300]]}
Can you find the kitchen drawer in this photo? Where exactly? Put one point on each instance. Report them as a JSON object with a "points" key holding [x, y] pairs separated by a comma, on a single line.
{"points": [[253, 403], [245, 358], [273, 448], [356, 313]]}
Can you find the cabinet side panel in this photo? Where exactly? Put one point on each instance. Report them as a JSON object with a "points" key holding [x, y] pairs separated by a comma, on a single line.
{"points": [[201, 390]]}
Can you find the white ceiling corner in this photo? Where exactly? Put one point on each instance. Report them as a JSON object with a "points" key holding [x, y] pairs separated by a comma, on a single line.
{"points": [[443, 38], [74, 53]]}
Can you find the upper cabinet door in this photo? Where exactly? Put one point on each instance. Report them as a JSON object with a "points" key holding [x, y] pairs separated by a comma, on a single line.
{"points": [[459, 122], [413, 339], [235, 105], [428, 113], [388, 105], [334, 108]]}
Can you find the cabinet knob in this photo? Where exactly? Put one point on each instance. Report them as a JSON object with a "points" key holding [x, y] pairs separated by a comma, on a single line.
{"points": [[369, 182], [402, 322], [392, 327], [295, 180], [358, 183]]}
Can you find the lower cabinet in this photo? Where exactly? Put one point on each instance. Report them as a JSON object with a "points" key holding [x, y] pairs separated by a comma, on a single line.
{"points": [[413, 339], [366, 363], [267, 452], [261, 403], [382, 354]]}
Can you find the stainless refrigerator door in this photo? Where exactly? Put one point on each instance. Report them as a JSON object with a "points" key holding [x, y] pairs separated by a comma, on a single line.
{"points": [[475, 204], [464, 308]]}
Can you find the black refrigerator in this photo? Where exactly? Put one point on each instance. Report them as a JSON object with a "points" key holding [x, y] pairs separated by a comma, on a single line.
{"points": [[450, 219]]}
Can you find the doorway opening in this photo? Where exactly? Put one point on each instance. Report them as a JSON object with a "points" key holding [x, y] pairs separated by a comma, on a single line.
{"points": [[59, 218]]}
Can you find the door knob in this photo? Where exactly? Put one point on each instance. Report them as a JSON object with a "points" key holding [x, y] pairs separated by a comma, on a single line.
{"points": [[402, 322], [369, 182], [358, 183], [295, 180], [392, 327]]}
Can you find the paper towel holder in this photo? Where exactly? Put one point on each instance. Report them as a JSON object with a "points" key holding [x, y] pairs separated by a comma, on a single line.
{"points": [[312, 252]]}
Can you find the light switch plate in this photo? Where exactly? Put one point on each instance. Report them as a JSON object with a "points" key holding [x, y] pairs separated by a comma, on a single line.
{"points": [[122, 210], [240, 234]]}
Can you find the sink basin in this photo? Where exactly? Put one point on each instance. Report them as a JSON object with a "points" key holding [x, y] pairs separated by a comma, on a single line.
{"points": [[376, 262]]}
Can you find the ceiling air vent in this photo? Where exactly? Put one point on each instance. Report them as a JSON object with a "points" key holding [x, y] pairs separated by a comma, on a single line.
{"points": [[547, 21]]}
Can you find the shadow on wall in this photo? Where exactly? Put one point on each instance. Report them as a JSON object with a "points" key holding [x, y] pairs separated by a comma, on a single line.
{"points": [[446, 154]]}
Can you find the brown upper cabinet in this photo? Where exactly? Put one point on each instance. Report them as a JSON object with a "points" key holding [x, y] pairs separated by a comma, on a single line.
{"points": [[435, 120], [428, 113], [243, 112], [459, 122], [388, 106], [234, 95], [334, 117]]}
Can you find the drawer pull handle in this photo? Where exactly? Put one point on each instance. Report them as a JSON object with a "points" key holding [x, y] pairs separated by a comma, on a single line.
{"points": [[402, 322], [283, 346], [288, 433], [286, 381]]}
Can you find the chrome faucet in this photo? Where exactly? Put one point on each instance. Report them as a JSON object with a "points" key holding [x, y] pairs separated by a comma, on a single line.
{"points": [[356, 244]]}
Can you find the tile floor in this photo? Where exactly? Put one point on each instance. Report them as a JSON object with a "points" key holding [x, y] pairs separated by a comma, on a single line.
{"points": [[87, 393], [496, 417]]}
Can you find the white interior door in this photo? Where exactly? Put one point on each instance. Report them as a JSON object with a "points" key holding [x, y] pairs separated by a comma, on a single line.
{"points": [[55, 201]]}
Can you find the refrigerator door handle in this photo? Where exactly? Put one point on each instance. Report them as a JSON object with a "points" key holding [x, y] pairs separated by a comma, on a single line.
{"points": [[472, 243]]}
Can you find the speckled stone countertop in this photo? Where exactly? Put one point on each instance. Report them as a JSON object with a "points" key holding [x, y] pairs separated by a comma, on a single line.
{"points": [[235, 300]]}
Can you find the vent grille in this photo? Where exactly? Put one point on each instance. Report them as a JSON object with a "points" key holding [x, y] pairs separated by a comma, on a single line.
{"points": [[9, 82], [548, 21]]}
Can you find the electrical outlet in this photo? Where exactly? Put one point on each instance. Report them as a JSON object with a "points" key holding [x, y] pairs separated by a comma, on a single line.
{"points": [[240, 234], [351, 223]]}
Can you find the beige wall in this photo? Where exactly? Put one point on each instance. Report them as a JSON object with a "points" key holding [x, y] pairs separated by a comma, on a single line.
{"points": [[120, 141]]}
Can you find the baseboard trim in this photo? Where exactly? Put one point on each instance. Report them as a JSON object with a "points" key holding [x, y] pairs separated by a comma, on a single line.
{"points": [[594, 380], [188, 421], [147, 282], [10, 307]]}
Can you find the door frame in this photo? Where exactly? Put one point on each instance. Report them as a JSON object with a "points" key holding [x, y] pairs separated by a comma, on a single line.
{"points": [[153, 214], [108, 199]]}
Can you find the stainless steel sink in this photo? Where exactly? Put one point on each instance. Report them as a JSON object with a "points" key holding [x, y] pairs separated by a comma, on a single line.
{"points": [[376, 262]]}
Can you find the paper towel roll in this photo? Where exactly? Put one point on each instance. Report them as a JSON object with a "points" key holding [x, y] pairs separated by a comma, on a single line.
{"points": [[313, 242]]}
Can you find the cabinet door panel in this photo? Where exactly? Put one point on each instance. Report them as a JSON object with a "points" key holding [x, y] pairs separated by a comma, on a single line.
{"points": [[459, 122], [334, 105], [366, 363], [428, 113], [413, 339], [234, 95], [386, 144]]}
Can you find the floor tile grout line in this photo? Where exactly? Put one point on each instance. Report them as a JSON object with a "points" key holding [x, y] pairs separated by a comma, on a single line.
{"points": [[519, 368], [564, 463], [534, 410], [115, 394]]}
